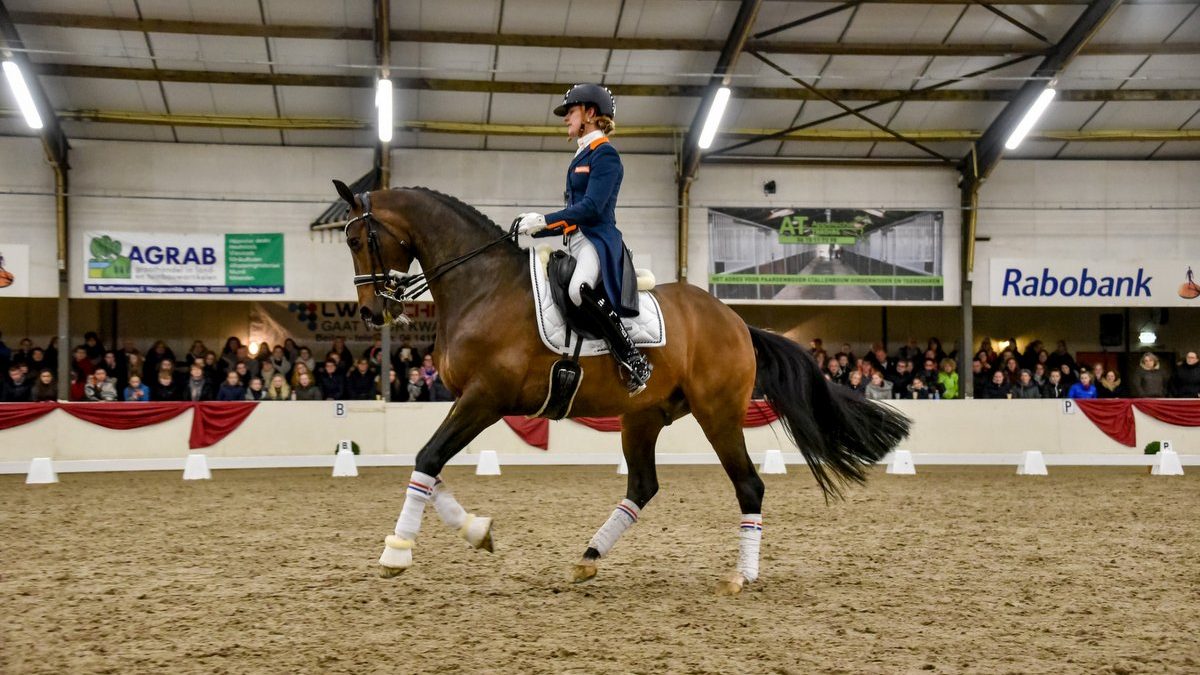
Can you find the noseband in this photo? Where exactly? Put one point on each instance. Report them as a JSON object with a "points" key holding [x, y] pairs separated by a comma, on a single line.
{"points": [[395, 285]]}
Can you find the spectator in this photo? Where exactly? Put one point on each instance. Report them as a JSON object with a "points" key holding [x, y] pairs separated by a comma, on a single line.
{"points": [[404, 358], [280, 362], [93, 346], [930, 378], [427, 370], [100, 388], [1060, 357], [252, 366], [78, 383], [438, 390], [231, 389], [242, 370], [935, 345], [197, 351], [1029, 358], [37, 361], [82, 363], [1149, 381], [267, 371], [948, 379], [833, 372], [815, 345], [879, 359], [197, 387], [345, 358], [1097, 372], [1012, 370], [1110, 386], [1054, 387], [1185, 383], [1039, 374], [135, 391], [212, 370], [158, 353], [23, 352], [292, 351], [305, 390], [918, 390], [115, 369], [979, 376], [134, 365], [901, 378], [165, 386], [16, 388], [360, 383], [279, 389], [298, 370], [911, 351], [305, 356], [855, 382], [45, 389], [374, 353], [879, 389], [1067, 374], [229, 354], [52, 351], [997, 387], [263, 354], [1025, 386], [331, 382], [1083, 388], [254, 391], [415, 388]]}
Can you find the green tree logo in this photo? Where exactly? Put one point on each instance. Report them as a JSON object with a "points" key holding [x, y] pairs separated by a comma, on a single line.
{"points": [[106, 261]]}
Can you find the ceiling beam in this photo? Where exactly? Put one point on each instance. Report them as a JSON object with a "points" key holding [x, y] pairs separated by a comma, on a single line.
{"points": [[12, 48], [987, 152], [739, 32], [343, 33], [554, 131], [556, 89]]}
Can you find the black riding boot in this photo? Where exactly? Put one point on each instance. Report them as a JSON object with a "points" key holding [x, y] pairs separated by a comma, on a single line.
{"points": [[637, 366]]}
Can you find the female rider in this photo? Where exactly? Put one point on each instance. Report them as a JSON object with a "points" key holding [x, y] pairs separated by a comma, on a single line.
{"points": [[589, 225]]}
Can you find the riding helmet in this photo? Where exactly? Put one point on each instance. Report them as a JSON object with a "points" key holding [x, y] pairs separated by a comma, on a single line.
{"points": [[592, 94]]}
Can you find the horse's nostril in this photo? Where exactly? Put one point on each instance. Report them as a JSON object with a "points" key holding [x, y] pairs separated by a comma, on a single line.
{"points": [[365, 313]]}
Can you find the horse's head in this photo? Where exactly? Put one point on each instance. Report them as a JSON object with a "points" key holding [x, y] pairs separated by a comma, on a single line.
{"points": [[378, 242]]}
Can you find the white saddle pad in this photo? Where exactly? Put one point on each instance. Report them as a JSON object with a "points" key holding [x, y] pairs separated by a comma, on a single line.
{"points": [[646, 329]]}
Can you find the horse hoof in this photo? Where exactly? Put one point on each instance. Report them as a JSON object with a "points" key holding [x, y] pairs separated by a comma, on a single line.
{"points": [[390, 572], [486, 544], [731, 585], [478, 532], [582, 572]]}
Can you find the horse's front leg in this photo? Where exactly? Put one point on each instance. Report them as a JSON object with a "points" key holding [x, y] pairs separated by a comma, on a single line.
{"points": [[465, 421]]}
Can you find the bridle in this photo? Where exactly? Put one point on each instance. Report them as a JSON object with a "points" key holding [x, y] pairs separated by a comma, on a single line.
{"points": [[393, 284]]}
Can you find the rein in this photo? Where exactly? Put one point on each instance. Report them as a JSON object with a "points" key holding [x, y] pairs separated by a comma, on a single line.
{"points": [[395, 285]]}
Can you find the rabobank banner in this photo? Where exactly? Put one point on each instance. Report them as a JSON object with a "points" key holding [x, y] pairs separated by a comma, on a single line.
{"points": [[1098, 283], [201, 264]]}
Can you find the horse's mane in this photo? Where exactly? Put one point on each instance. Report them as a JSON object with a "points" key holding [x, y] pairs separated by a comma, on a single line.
{"points": [[469, 213]]}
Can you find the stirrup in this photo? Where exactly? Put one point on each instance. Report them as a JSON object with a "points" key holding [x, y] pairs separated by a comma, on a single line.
{"points": [[638, 370]]}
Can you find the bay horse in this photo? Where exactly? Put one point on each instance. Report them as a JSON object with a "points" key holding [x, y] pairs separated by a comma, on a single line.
{"points": [[491, 358]]}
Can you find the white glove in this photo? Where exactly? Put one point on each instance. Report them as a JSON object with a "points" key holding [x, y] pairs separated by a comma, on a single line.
{"points": [[531, 223]]}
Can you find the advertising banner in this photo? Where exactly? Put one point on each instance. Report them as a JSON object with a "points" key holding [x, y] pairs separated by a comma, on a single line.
{"points": [[853, 255], [1027, 282], [14, 271], [317, 323], [202, 264]]}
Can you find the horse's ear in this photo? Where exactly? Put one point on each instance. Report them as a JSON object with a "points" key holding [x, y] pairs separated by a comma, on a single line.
{"points": [[346, 194]]}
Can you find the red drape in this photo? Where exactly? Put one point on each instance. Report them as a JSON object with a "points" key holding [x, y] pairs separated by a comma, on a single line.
{"points": [[600, 423], [1181, 412], [535, 432], [216, 420], [1114, 416], [120, 416], [16, 414], [760, 414]]}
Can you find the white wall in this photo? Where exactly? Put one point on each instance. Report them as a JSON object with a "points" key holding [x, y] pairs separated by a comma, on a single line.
{"points": [[1087, 210], [27, 210]]}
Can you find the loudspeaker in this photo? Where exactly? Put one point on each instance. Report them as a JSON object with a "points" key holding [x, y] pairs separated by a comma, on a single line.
{"points": [[1112, 330]]}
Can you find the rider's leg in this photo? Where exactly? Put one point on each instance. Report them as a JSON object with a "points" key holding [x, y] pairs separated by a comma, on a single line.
{"points": [[586, 276]]}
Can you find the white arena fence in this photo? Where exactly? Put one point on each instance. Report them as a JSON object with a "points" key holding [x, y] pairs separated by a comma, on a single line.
{"points": [[306, 434]]}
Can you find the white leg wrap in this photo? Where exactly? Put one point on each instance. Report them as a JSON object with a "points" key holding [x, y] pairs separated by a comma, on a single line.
{"points": [[750, 538], [420, 491], [448, 508], [622, 518]]}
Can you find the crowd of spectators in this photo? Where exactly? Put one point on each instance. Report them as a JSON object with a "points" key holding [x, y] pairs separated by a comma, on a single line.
{"points": [[238, 373], [916, 372]]}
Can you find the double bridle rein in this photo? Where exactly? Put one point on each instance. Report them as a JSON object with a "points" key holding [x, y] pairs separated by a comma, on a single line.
{"points": [[395, 285]]}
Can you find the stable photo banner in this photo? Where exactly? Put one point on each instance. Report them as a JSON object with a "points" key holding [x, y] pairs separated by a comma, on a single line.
{"points": [[200, 264], [1054, 282], [840, 254], [317, 324]]}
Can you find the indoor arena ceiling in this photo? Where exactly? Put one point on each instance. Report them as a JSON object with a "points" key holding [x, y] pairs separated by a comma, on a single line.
{"points": [[932, 76]]}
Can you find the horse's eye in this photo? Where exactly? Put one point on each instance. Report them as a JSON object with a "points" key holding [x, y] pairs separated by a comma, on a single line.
{"points": [[353, 242]]}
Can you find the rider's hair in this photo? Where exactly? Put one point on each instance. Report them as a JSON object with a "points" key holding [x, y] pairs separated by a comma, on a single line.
{"points": [[606, 124]]}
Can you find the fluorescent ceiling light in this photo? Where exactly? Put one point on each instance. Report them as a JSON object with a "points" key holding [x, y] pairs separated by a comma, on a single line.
{"points": [[1147, 337], [714, 118], [1035, 111], [16, 82], [383, 102]]}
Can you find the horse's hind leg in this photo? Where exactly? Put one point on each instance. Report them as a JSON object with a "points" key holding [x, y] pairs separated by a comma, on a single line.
{"points": [[723, 428], [639, 432]]}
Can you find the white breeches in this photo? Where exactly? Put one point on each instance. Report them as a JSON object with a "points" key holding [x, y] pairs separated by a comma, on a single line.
{"points": [[587, 265]]}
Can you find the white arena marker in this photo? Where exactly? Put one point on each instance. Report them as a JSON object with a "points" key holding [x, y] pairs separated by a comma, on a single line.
{"points": [[196, 467], [902, 463], [489, 464], [773, 462], [622, 468], [1032, 464], [41, 471], [1166, 463], [343, 463]]}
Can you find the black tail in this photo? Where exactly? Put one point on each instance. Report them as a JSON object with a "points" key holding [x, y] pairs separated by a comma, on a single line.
{"points": [[835, 428]]}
